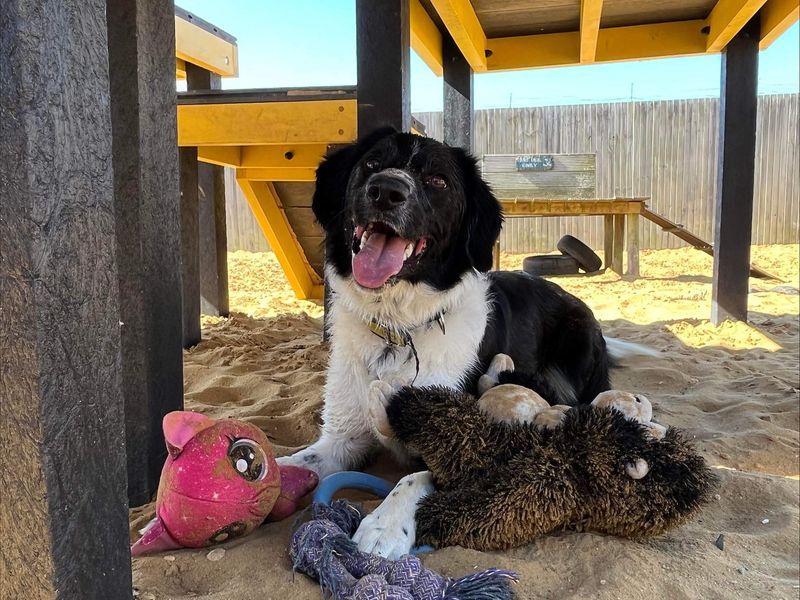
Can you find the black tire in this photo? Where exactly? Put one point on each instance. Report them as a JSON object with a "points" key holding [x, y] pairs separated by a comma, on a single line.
{"points": [[585, 256], [550, 265]]}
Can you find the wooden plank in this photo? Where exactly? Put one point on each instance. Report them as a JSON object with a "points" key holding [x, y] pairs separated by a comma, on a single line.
{"points": [[457, 113], [190, 247], [658, 40], [726, 20], [303, 222], [295, 193], [577, 206], [591, 11], [266, 207], [267, 95], [280, 174], [621, 13], [64, 517], [460, 19], [203, 44], [212, 244], [298, 122], [608, 240], [619, 243], [523, 17], [147, 223], [224, 156], [632, 246], [383, 48], [426, 39], [776, 17], [736, 168], [295, 156]]}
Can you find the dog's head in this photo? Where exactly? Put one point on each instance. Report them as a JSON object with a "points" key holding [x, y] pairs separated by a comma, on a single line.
{"points": [[400, 207]]}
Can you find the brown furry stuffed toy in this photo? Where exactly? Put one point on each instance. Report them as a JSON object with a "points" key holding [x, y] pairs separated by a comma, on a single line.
{"points": [[502, 482]]}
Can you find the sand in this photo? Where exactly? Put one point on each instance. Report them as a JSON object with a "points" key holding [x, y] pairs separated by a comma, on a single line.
{"points": [[733, 388]]}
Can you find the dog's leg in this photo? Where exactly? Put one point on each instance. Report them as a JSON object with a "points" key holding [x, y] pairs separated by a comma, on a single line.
{"points": [[346, 430], [500, 364], [391, 529]]}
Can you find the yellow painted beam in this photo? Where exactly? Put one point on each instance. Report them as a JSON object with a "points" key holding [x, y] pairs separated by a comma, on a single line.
{"points": [[726, 20], [282, 123], [180, 69], [296, 156], [591, 11], [776, 17], [638, 42], [195, 45], [279, 173], [224, 156], [264, 202], [426, 39], [461, 21]]}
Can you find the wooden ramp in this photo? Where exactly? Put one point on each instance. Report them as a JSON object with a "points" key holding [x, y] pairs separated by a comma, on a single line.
{"points": [[699, 243]]}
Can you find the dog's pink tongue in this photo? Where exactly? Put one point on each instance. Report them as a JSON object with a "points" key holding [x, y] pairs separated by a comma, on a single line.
{"points": [[379, 258]]}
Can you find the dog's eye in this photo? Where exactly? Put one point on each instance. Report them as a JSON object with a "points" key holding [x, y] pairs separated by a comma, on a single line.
{"points": [[248, 459], [372, 165], [438, 182]]}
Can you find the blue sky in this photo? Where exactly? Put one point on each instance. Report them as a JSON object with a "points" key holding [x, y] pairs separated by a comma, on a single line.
{"points": [[312, 43]]}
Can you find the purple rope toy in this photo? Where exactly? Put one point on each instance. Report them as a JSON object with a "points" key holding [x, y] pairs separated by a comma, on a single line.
{"points": [[323, 550]]}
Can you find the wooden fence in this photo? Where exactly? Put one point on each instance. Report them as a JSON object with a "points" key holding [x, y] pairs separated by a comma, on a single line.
{"points": [[664, 150]]}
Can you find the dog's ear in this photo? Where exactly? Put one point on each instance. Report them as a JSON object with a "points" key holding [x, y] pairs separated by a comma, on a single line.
{"points": [[483, 217], [333, 174]]}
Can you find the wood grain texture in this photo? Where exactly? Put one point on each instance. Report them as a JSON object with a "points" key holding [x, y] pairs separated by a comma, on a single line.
{"points": [[664, 150], [572, 176], [735, 176], [64, 517], [147, 211]]}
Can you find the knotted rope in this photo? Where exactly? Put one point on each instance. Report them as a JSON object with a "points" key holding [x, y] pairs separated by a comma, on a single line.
{"points": [[322, 549]]}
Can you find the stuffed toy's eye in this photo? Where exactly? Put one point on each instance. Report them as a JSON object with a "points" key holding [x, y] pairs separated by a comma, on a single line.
{"points": [[438, 182], [248, 460], [372, 165]]}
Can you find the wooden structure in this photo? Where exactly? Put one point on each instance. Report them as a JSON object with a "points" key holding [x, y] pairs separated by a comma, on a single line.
{"points": [[91, 280]]}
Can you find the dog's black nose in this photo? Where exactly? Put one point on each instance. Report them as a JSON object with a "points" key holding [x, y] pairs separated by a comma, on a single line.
{"points": [[386, 190]]}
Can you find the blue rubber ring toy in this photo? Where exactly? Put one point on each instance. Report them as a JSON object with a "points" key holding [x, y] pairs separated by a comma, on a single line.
{"points": [[353, 480]]}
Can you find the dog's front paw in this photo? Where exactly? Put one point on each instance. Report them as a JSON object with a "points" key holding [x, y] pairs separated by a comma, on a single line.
{"points": [[500, 363], [390, 530]]}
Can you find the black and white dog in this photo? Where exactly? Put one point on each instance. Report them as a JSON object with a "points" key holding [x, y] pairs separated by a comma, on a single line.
{"points": [[410, 227]]}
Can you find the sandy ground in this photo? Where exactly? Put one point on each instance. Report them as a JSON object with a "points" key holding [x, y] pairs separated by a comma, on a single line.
{"points": [[734, 388]]}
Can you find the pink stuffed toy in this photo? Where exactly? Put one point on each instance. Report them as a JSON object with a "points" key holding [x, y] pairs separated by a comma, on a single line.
{"points": [[220, 481]]}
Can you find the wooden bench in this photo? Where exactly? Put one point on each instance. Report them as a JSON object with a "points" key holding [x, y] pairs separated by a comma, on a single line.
{"points": [[559, 185]]}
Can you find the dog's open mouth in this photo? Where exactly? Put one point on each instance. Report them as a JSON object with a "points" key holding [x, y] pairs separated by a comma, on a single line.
{"points": [[379, 253]]}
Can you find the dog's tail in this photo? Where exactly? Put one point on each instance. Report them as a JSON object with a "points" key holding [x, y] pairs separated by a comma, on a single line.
{"points": [[620, 350]]}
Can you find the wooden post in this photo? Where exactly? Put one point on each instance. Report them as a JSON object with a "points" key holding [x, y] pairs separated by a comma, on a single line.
{"points": [[632, 246], [146, 205], [608, 241], [190, 246], [458, 114], [213, 241], [735, 175], [64, 513], [383, 46], [619, 243]]}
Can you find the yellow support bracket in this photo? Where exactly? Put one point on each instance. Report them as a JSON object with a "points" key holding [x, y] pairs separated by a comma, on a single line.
{"points": [[426, 39], [279, 173], [195, 45], [224, 156], [461, 21], [776, 17], [180, 69], [726, 20], [264, 203], [295, 156], [267, 123], [637, 42], [591, 11]]}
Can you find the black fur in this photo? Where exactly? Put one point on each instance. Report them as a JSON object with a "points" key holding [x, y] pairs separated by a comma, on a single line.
{"points": [[544, 329]]}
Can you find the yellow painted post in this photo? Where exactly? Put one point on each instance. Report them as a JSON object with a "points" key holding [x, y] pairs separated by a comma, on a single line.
{"points": [[590, 27]]}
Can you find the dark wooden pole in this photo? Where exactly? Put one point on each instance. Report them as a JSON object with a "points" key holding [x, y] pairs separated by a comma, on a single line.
{"points": [[735, 175], [458, 114], [213, 240], [147, 209], [64, 512], [383, 45], [190, 245]]}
